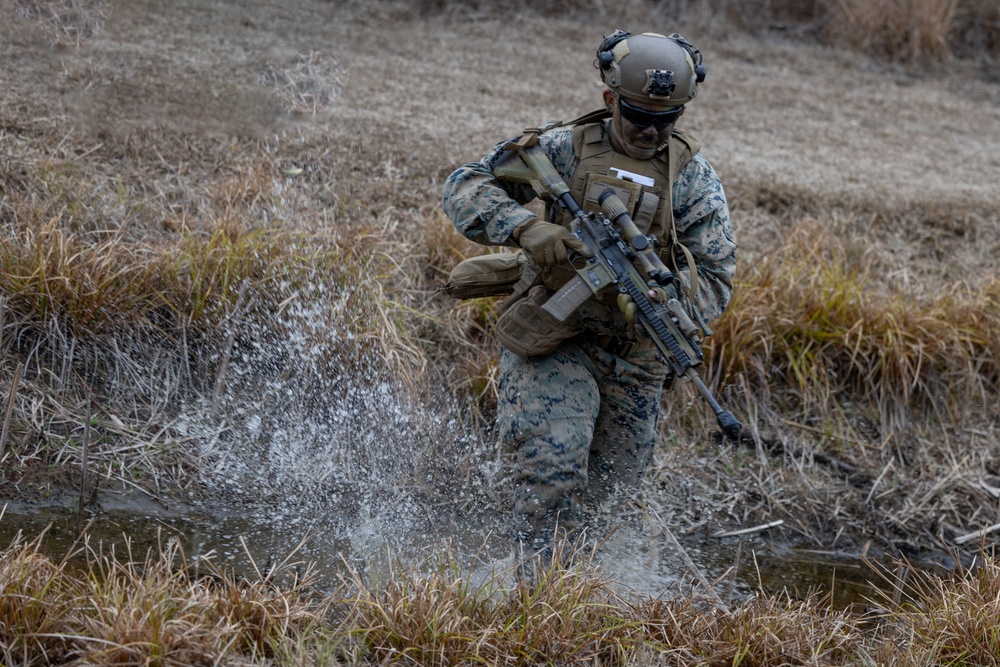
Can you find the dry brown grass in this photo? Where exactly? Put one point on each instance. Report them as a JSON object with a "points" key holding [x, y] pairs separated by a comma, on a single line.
{"points": [[902, 30], [147, 320], [764, 630], [160, 609], [35, 599], [69, 23], [308, 85], [207, 190], [944, 618], [811, 314], [906, 29], [977, 29], [155, 610]]}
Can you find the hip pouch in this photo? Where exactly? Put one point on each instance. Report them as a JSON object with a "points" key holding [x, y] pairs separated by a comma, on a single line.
{"points": [[485, 275], [527, 330]]}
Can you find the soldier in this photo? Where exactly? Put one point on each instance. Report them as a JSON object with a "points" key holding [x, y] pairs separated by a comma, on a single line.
{"points": [[579, 404]]}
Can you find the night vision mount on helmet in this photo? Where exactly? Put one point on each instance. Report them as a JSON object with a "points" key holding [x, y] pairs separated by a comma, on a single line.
{"points": [[650, 67]]}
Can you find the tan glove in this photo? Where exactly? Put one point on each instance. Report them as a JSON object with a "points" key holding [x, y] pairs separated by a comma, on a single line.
{"points": [[547, 242], [660, 294]]}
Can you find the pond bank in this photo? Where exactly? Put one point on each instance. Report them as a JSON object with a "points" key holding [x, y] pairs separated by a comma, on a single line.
{"points": [[159, 606], [247, 541]]}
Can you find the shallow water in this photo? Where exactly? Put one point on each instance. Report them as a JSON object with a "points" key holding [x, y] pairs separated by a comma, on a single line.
{"points": [[249, 545], [326, 455]]}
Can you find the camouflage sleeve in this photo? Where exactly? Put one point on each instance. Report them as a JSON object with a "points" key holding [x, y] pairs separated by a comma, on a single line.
{"points": [[487, 210], [701, 215]]}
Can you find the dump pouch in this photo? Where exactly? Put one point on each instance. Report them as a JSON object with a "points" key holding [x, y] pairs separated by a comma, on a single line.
{"points": [[526, 329], [486, 275]]}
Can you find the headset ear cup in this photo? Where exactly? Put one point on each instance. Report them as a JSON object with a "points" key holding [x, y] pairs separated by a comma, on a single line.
{"points": [[605, 58], [605, 52], [700, 71]]}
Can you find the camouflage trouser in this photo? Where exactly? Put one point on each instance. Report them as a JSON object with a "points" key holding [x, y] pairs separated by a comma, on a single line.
{"points": [[582, 422]]}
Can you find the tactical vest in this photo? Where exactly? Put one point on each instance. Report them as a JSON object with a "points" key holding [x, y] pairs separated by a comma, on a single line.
{"points": [[646, 186], [648, 195]]}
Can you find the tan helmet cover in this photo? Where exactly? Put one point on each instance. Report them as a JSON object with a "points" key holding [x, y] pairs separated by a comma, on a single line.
{"points": [[652, 68]]}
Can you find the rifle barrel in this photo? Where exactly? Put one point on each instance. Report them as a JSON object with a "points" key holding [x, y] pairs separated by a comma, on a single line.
{"points": [[730, 426]]}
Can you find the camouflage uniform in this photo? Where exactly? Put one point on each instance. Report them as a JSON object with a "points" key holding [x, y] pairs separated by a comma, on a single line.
{"points": [[582, 418]]}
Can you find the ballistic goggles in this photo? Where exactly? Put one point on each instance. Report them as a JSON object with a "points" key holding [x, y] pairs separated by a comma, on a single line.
{"points": [[645, 118]]}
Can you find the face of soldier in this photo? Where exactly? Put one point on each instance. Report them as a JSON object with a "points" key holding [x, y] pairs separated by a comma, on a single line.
{"points": [[640, 130], [636, 133]]}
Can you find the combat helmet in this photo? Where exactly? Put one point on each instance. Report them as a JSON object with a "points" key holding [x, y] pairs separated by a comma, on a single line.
{"points": [[650, 67]]}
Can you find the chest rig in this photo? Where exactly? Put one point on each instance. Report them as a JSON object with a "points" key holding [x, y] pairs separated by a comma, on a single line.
{"points": [[645, 186], [646, 189]]}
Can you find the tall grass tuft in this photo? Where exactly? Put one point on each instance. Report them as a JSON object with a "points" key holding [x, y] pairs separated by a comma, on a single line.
{"points": [[157, 610], [898, 29], [436, 616], [764, 630], [943, 618], [812, 316], [49, 271], [37, 596], [906, 30], [977, 29]]}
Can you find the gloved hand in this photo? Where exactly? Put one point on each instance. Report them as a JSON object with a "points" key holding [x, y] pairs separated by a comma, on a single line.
{"points": [[547, 242], [659, 294]]}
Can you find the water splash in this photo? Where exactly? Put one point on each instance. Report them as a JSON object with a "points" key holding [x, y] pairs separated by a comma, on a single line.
{"points": [[310, 432]]}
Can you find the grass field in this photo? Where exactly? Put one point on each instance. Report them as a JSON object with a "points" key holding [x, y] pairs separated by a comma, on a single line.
{"points": [[157, 608], [221, 245]]}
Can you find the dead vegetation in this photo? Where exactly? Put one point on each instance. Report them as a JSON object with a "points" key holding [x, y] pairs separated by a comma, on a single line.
{"points": [[164, 221], [158, 607], [138, 298], [156, 225], [896, 30], [308, 85], [142, 608], [68, 23]]}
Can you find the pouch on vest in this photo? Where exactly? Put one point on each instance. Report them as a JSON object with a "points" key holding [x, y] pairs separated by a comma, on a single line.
{"points": [[642, 201], [527, 330], [486, 275]]}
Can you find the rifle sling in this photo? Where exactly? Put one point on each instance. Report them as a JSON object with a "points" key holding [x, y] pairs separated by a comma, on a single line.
{"points": [[529, 137]]}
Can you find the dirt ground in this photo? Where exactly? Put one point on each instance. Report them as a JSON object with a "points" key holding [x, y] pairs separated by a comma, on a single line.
{"points": [[159, 94], [785, 124]]}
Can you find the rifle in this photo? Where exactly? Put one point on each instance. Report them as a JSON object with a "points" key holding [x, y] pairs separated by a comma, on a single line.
{"points": [[624, 259]]}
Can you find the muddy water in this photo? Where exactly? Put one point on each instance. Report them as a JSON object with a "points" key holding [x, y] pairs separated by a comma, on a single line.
{"points": [[247, 544]]}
